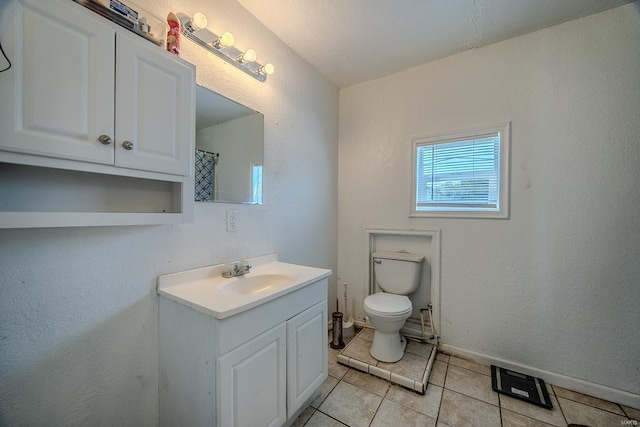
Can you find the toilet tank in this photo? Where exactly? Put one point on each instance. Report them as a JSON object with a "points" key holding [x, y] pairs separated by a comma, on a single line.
{"points": [[397, 272]]}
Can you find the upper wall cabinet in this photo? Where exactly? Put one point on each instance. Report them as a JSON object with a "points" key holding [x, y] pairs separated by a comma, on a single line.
{"points": [[59, 98], [88, 96]]}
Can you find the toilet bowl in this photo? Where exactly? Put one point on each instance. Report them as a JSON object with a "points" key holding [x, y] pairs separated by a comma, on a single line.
{"points": [[398, 275], [387, 313]]}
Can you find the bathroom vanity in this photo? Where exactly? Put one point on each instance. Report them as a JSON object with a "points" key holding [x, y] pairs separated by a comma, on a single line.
{"points": [[243, 351]]}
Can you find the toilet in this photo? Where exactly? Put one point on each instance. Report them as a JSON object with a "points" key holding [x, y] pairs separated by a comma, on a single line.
{"points": [[398, 275]]}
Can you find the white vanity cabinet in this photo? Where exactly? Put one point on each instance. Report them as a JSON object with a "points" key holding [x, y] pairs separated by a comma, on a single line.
{"points": [[259, 367], [274, 374], [90, 103]]}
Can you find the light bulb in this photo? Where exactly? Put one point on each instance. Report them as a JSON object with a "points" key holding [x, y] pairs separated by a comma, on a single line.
{"points": [[267, 69], [225, 40], [249, 56], [199, 20]]}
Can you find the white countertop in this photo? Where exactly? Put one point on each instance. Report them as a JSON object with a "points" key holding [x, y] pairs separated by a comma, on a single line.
{"points": [[203, 289]]}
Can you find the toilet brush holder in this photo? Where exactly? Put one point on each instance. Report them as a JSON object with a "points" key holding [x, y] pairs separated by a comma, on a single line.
{"points": [[336, 341]]}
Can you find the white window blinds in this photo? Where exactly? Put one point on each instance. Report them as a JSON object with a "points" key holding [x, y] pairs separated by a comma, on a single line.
{"points": [[458, 173]]}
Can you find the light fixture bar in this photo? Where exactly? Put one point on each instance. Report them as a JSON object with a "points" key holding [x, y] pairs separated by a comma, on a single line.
{"points": [[207, 39]]}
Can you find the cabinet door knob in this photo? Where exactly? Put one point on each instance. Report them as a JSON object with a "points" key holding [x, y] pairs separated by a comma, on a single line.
{"points": [[105, 139], [128, 145]]}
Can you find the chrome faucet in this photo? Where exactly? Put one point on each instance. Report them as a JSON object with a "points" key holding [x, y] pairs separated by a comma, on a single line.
{"points": [[235, 269]]}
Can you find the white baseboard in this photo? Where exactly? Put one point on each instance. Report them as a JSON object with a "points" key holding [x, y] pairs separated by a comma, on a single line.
{"points": [[603, 392]]}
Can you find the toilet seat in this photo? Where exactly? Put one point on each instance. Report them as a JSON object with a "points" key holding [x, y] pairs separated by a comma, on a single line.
{"points": [[384, 304]]}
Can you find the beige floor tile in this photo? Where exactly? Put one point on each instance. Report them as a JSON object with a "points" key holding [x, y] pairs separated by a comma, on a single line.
{"points": [[325, 389], [550, 416], [419, 348], [359, 349], [367, 334], [579, 413], [410, 366], [351, 405], [458, 410], [427, 403], [303, 417], [472, 366], [632, 413], [511, 419], [438, 373], [440, 424], [442, 357], [470, 383], [588, 400], [335, 369], [367, 382], [392, 414], [318, 419]]}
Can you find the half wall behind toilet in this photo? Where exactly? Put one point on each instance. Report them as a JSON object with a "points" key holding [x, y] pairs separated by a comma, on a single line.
{"points": [[422, 242]]}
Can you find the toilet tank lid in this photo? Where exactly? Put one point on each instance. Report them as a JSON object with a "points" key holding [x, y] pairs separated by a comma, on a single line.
{"points": [[400, 256]]}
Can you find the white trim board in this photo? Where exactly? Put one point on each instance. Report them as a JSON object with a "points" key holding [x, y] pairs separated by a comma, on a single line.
{"points": [[592, 389]]}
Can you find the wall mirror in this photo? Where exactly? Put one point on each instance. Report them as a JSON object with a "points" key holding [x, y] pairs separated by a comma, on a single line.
{"points": [[229, 150]]}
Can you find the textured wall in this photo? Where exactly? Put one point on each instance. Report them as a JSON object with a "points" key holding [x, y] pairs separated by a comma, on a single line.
{"points": [[78, 309], [555, 286]]}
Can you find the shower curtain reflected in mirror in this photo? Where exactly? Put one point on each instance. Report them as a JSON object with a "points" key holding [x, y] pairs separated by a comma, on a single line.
{"points": [[205, 176]]}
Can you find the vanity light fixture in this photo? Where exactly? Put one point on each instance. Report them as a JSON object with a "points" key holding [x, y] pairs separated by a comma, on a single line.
{"points": [[195, 29], [267, 69], [249, 56]]}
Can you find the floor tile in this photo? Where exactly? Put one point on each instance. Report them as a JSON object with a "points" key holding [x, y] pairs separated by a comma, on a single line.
{"points": [[458, 410], [303, 417], [438, 373], [441, 424], [472, 366], [410, 366], [588, 400], [632, 413], [367, 334], [335, 369], [367, 382], [511, 419], [359, 349], [318, 419], [442, 357], [325, 389], [470, 383], [419, 349], [392, 414], [579, 413], [550, 416], [351, 405], [427, 403]]}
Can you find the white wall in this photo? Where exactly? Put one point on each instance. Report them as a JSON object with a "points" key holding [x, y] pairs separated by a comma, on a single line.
{"points": [[554, 287], [78, 308]]}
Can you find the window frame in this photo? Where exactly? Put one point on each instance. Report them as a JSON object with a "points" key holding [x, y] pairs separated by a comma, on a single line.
{"points": [[502, 211]]}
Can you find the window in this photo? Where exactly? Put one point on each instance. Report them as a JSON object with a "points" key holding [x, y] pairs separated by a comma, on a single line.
{"points": [[462, 175], [256, 183]]}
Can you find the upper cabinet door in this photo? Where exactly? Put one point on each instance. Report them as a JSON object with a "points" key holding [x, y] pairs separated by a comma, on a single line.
{"points": [[58, 97], [155, 103]]}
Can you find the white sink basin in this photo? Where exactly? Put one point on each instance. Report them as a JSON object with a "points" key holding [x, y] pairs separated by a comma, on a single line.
{"points": [[254, 284], [205, 290]]}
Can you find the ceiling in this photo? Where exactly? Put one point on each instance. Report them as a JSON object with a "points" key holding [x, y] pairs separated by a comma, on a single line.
{"points": [[352, 41]]}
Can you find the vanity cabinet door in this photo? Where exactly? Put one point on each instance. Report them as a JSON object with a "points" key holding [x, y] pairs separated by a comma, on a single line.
{"points": [[155, 108], [252, 382], [58, 96], [307, 365]]}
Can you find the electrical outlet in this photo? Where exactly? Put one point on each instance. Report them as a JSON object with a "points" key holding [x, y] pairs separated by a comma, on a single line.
{"points": [[232, 220]]}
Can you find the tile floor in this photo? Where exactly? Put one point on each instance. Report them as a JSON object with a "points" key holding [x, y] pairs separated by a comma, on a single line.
{"points": [[459, 394]]}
